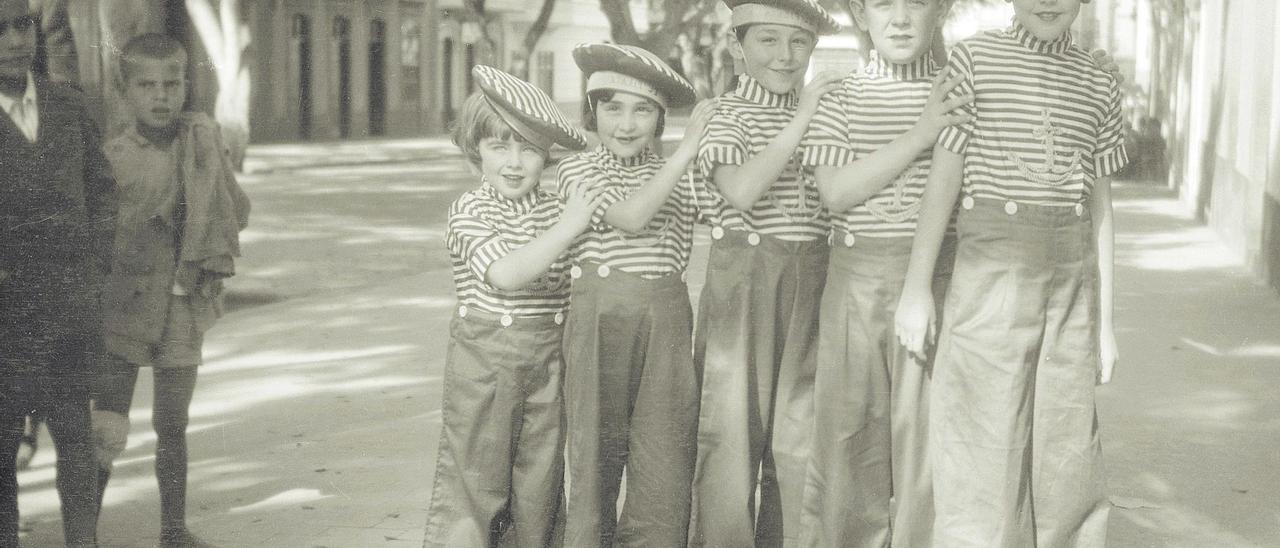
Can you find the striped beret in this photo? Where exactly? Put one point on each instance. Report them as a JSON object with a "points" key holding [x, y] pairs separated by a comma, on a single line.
{"points": [[633, 70], [806, 14], [527, 109]]}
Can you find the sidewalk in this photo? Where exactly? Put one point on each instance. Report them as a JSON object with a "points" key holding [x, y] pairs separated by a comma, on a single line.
{"points": [[284, 157], [317, 417]]}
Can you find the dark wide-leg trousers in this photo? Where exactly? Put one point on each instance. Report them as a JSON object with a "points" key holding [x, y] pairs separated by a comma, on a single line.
{"points": [[631, 397], [756, 341]]}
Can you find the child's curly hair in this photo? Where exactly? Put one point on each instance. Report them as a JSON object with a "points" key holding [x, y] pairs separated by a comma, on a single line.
{"points": [[479, 121]]}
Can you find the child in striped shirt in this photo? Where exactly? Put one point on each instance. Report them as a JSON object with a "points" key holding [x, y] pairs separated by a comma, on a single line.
{"points": [[758, 315], [631, 390], [869, 144], [499, 468], [1027, 329]]}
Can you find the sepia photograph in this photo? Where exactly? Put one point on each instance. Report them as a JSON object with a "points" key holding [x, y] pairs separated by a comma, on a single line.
{"points": [[641, 273]]}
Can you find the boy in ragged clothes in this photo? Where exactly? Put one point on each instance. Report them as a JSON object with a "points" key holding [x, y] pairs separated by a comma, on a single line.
{"points": [[177, 233], [499, 472], [1027, 329]]}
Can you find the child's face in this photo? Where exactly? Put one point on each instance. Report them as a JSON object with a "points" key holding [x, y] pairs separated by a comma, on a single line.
{"points": [[626, 123], [1046, 19], [776, 55], [156, 90], [511, 165], [901, 30], [17, 40]]}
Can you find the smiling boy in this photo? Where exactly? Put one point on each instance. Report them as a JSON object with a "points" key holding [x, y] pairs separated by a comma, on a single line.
{"points": [[758, 314], [1027, 329]]}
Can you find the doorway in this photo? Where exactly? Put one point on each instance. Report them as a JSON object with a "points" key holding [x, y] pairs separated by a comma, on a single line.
{"points": [[300, 68], [342, 33], [377, 77]]}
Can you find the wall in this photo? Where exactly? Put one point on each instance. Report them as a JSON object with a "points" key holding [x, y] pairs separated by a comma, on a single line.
{"points": [[1210, 71]]}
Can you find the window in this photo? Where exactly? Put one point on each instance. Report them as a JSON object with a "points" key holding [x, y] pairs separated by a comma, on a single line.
{"points": [[544, 72], [410, 60]]}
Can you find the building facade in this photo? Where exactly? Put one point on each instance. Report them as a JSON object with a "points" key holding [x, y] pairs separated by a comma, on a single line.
{"points": [[1209, 72], [342, 69]]}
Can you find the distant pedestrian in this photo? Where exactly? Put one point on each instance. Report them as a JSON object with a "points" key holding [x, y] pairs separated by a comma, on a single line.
{"points": [[499, 471], [177, 234]]}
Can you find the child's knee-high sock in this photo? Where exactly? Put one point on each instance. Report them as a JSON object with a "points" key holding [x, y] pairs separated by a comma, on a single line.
{"points": [[173, 391]]}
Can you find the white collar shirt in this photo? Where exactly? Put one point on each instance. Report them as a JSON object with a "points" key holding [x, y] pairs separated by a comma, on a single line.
{"points": [[23, 110]]}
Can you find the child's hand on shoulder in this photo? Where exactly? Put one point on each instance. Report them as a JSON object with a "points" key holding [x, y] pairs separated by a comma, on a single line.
{"points": [[697, 124], [1105, 62], [942, 110], [825, 82], [582, 203]]}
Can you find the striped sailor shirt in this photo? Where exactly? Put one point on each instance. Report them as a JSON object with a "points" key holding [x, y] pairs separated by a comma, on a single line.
{"points": [[1047, 118], [870, 109], [745, 121], [663, 248], [485, 226]]}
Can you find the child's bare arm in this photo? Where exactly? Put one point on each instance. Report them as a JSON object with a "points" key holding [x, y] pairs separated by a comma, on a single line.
{"points": [[742, 185], [527, 263], [915, 319], [852, 184], [1104, 238], [634, 213]]}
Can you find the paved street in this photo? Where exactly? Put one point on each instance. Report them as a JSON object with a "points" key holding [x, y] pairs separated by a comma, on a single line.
{"points": [[316, 418]]}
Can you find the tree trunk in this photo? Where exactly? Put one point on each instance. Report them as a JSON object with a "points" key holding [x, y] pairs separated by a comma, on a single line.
{"points": [[621, 28], [520, 63], [226, 37]]}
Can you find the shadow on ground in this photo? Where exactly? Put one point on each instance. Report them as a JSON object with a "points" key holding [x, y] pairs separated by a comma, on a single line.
{"points": [[1191, 424]]}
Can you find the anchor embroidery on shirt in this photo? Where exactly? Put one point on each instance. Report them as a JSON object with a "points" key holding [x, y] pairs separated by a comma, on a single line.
{"points": [[1048, 173], [803, 211], [895, 209], [647, 237]]}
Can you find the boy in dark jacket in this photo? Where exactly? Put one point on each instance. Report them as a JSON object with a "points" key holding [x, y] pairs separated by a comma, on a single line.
{"points": [[56, 199]]}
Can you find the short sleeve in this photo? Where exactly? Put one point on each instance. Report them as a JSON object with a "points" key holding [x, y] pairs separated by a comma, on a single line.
{"points": [[476, 242], [956, 138], [1110, 155], [578, 170], [724, 142], [687, 194], [827, 141]]}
